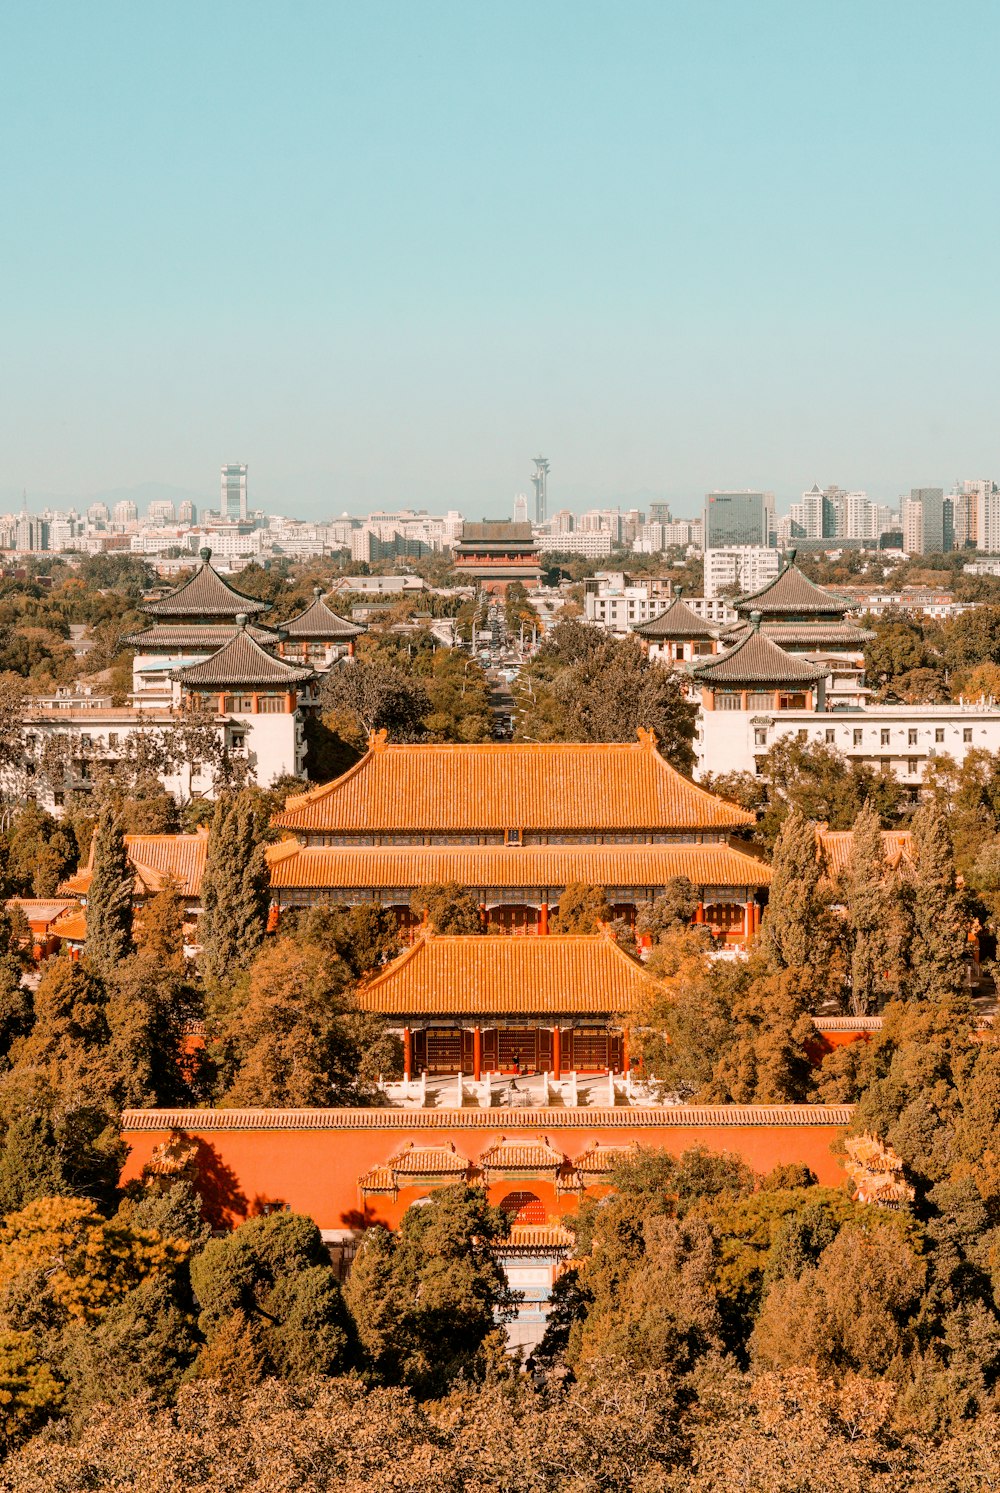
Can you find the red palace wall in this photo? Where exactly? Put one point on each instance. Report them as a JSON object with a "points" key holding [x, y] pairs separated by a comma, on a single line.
{"points": [[311, 1160]]}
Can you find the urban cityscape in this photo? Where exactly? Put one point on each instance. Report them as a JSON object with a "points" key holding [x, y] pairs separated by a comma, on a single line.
{"points": [[499, 952]]}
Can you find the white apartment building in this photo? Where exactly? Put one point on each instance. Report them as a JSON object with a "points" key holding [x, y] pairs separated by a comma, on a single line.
{"points": [[619, 609], [987, 501], [902, 739], [592, 544], [745, 568]]}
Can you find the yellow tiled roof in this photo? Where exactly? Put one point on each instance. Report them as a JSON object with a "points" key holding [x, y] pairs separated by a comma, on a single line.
{"points": [[550, 1235], [41, 911], [566, 973], [388, 866], [158, 859], [598, 1160], [414, 1161], [551, 786], [517, 1155], [835, 848]]}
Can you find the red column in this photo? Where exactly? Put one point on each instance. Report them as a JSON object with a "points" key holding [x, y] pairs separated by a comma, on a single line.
{"points": [[699, 913], [407, 1052], [477, 1053], [350, 649], [556, 1054], [543, 918], [625, 1049]]}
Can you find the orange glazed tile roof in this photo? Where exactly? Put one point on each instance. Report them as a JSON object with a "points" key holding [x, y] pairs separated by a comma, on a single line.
{"points": [[414, 1161], [40, 912], [512, 1155], [379, 867], [567, 973], [71, 925], [157, 859], [835, 848], [550, 786], [653, 1117], [598, 1160], [550, 1235]]}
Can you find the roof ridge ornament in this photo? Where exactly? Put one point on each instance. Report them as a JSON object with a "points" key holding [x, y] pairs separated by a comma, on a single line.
{"points": [[647, 737], [377, 739], [755, 621], [205, 555]]}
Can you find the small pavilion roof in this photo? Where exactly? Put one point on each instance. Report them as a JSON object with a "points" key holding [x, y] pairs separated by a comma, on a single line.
{"points": [[387, 867], [835, 845], [812, 635], [158, 861], [492, 787], [470, 975], [791, 594], [521, 1154], [678, 621], [168, 638], [242, 662], [757, 660], [206, 594], [321, 622]]}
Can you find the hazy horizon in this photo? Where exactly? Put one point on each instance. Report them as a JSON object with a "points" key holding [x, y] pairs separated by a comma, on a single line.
{"points": [[387, 254]]}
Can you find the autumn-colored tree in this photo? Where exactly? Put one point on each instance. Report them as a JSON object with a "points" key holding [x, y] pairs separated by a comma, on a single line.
{"points": [[878, 918], [268, 1291], [426, 1298], [582, 909], [449, 906], [288, 1033], [374, 695], [59, 1259], [791, 934], [234, 891], [30, 1393], [938, 945], [109, 898]]}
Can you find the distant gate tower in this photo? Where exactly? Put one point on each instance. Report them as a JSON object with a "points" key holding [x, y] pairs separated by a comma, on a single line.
{"points": [[540, 482], [234, 491]]}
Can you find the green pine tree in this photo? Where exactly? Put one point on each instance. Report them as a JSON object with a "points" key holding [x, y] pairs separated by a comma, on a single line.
{"points": [[938, 946], [789, 934], [877, 917], [109, 901], [234, 892]]}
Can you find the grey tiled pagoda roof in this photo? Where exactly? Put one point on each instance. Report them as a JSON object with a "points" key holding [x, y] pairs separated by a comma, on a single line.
{"points": [[206, 594], [213, 635], [678, 621], [757, 660], [319, 621], [791, 594], [242, 663], [820, 633]]}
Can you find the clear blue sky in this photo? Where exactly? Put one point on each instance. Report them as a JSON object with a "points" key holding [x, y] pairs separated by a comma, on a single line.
{"points": [[387, 251]]}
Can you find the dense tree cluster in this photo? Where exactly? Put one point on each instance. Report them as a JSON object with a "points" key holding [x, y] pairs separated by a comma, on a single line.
{"points": [[583, 685]]}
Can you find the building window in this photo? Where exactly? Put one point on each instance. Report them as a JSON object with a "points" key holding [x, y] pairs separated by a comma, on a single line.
{"points": [[885, 736], [728, 702], [911, 736], [911, 766], [939, 733], [58, 799], [271, 704], [857, 736], [112, 738], [759, 700], [967, 733], [760, 736]]}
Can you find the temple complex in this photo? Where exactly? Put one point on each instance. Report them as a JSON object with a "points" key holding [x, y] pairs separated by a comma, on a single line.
{"points": [[495, 553], [318, 637]]}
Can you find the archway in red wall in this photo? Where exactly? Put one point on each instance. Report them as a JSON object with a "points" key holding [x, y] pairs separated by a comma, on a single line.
{"points": [[523, 1207]]}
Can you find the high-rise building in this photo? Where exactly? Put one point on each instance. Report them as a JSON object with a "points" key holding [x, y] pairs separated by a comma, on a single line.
{"points": [[234, 491], [160, 511], [933, 537], [739, 570], [659, 513], [124, 513], [860, 516], [520, 509], [98, 513], [735, 519], [540, 482], [986, 496], [187, 513]]}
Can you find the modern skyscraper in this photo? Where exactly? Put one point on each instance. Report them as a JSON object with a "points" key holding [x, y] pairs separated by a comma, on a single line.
{"points": [[188, 512], [233, 504], [520, 509], [125, 512], [540, 482], [733, 519], [932, 520]]}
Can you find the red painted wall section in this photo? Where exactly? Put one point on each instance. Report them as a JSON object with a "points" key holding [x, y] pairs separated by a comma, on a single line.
{"points": [[316, 1171]]}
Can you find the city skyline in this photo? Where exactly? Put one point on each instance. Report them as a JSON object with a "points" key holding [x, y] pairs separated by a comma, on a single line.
{"points": [[634, 243]]}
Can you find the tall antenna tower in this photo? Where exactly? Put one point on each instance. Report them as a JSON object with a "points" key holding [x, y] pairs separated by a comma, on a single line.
{"points": [[540, 482]]}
